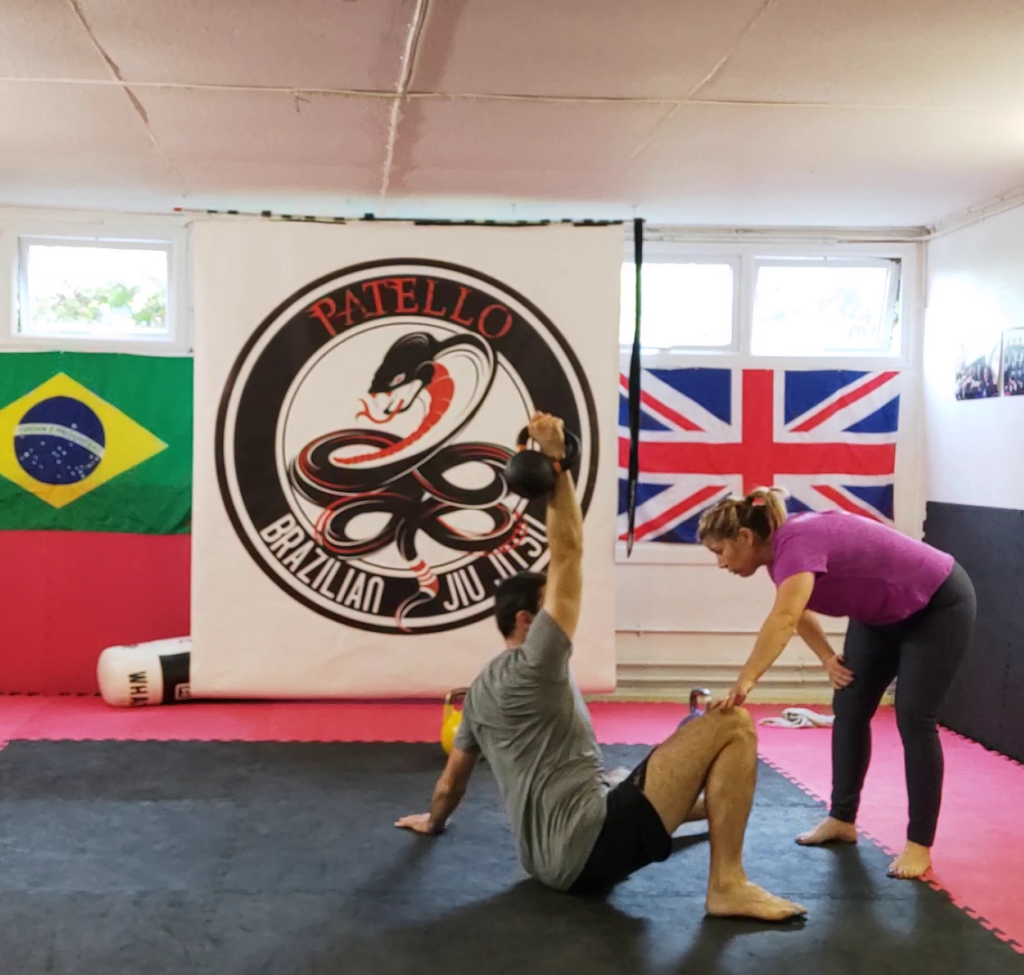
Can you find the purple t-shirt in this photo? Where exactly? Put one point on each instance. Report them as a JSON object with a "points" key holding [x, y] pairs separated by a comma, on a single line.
{"points": [[864, 570]]}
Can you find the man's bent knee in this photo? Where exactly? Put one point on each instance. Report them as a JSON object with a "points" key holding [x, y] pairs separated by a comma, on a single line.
{"points": [[735, 723], [740, 721], [746, 719]]}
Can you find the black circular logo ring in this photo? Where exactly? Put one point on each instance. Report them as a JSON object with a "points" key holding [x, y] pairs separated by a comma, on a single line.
{"points": [[362, 435]]}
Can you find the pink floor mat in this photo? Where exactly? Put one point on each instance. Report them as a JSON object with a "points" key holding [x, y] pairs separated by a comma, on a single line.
{"points": [[979, 849], [83, 718]]}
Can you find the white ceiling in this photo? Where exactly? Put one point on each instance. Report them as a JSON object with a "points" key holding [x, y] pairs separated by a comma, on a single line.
{"points": [[701, 112]]}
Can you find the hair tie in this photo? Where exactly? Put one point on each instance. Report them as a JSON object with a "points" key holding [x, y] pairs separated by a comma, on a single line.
{"points": [[758, 502]]}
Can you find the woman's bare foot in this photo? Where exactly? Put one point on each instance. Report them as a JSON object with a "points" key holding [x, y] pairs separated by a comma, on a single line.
{"points": [[914, 861], [829, 831], [748, 900]]}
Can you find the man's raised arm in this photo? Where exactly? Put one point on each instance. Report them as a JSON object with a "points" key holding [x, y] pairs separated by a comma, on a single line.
{"points": [[564, 588]]}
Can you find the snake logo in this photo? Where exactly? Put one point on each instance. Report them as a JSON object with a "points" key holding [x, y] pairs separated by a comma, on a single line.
{"points": [[362, 435]]}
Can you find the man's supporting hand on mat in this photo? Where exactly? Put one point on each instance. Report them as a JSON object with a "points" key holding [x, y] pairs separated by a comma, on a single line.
{"points": [[448, 793]]}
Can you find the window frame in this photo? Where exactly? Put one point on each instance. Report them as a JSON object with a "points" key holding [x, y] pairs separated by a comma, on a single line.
{"points": [[747, 254], [662, 253], [18, 233], [892, 291]]}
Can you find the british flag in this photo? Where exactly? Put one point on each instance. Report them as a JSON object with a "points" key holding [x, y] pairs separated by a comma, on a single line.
{"points": [[827, 436]]}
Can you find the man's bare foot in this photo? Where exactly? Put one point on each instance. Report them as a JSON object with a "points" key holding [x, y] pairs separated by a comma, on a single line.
{"points": [[914, 861], [749, 900], [829, 831]]}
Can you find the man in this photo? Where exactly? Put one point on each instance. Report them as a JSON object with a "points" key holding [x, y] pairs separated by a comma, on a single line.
{"points": [[526, 715]]}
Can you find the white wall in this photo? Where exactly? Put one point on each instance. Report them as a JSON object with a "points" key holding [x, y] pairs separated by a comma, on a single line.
{"points": [[972, 449], [694, 625]]}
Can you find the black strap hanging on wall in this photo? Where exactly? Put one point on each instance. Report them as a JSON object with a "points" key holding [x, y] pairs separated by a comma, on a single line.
{"points": [[634, 390]]}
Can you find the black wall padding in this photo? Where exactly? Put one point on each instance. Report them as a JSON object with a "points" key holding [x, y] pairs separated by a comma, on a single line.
{"points": [[986, 702]]}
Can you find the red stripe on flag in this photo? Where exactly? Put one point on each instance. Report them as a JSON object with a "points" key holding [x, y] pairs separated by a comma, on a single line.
{"points": [[66, 596], [758, 452], [661, 409], [861, 391], [655, 524], [840, 499], [869, 460]]}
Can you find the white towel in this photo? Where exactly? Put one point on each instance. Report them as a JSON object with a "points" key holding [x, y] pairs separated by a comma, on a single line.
{"points": [[800, 718]]}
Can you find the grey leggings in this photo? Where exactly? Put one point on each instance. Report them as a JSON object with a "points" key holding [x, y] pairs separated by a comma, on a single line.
{"points": [[923, 652]]}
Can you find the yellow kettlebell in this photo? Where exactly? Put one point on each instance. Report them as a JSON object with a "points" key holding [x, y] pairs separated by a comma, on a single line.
{"points": [[451, 717]]}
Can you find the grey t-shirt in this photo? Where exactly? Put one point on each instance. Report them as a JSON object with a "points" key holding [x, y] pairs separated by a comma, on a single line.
{"points": [[526, 714]]}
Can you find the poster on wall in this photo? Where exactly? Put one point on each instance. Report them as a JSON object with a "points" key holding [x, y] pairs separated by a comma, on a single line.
{"points": [[1013, 362], [827, 436], [356, 407], [978, 364]]}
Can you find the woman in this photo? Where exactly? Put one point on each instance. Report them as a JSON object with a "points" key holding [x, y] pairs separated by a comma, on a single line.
{"points": [[911, 610]]}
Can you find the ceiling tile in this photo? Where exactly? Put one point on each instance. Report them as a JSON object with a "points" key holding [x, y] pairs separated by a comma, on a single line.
{"points": [[301, 44], [44, 39], [231, 141], [607, 48], [60, 141], [825, 166], [920, 52], [518, 150]]}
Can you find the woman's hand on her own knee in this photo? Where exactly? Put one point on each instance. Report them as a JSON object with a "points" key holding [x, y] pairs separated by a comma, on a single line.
{"points": [[839, 674]]}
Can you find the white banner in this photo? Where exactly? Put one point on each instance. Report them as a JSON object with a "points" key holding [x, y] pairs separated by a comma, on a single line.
{"points": [[359, 389]]}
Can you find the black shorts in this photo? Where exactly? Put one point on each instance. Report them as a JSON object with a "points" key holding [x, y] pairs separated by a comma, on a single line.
{"points": [[632, 837]]}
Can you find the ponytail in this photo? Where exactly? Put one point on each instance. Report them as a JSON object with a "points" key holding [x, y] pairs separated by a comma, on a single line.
{"points": [[762, 511]]}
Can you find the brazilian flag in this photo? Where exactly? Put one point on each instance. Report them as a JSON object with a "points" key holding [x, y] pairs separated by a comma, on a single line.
{"points": [[95, 442]]}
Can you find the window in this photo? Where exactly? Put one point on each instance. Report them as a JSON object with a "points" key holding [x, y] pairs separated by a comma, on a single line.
{"points": [[826, 307], [89, 289], [782, 301], [685, 305]]}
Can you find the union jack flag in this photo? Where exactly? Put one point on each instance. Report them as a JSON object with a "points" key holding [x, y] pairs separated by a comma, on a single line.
{"points": [[827, 436]]}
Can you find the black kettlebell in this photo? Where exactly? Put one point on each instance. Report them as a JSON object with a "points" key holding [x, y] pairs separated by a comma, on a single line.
{"points": [[530, 474]]}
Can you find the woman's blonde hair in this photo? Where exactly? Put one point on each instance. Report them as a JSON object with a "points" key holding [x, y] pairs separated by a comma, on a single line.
{"points": [[762, 511]]}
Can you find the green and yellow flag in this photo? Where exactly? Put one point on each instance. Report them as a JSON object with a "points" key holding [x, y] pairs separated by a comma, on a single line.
{"points": [[95, 442]]}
